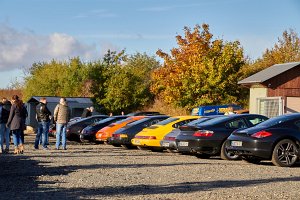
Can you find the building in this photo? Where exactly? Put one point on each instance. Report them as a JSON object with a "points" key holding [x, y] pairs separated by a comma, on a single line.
{"points": [[275, 90], [76, 105]]}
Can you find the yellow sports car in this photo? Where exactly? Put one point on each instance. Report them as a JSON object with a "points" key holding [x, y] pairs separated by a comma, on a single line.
{"points": [[150, 137]]}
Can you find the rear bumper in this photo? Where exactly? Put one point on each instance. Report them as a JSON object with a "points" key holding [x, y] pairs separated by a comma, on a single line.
{"points": [[168, 144], [256, 148], [211, 147], [119, 141]]}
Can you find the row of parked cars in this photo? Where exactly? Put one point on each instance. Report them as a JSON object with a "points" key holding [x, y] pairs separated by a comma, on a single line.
{"points": [[250, 137]]}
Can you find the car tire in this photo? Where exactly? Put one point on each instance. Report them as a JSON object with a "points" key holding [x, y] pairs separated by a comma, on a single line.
{"points": [[142, 148], [251, 159], [128, 146], [172, 150], [156, 149], [225, 155], [202, 155], [285, 153]]}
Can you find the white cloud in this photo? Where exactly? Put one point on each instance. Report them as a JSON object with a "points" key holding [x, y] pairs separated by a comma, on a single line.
{"points": [[18, 49]]}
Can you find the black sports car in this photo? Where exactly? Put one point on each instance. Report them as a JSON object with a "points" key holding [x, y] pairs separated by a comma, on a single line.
{"points": [[169, 142], [208, 138], [89, 132], [276, 139], [74, 127], [124, 135]]}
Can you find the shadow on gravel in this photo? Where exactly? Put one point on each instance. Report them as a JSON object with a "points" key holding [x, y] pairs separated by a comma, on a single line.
{"points": [[22, 178]]}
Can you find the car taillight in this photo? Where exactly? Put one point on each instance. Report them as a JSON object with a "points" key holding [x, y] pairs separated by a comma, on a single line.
{"points": [[116, 135], [146, 137], [261, 134], [203, 133], [170, 138]]}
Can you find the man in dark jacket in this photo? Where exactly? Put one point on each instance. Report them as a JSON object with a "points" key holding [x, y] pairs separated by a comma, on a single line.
{"points": [[87, 112], [43, 117], [4, 131]]}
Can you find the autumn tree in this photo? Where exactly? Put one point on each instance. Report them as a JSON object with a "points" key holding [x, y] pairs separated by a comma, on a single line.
{"points": [[200, 71]]}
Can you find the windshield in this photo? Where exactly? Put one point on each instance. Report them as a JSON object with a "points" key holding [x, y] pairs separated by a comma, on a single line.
{"points": [[274, 121], [198, 121], [167, 121], [214, 121]]}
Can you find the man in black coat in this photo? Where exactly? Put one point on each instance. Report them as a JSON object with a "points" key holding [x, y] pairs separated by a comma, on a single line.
{"points": [[43, 117], [6, 105], [87, 112]]}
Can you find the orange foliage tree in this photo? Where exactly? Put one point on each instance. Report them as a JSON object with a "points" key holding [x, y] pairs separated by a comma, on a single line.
{"points": [[201, 71]]}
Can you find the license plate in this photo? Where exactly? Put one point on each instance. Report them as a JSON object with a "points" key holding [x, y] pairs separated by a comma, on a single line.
{"points": [[183, 144], [166, 144], [137, 141], [236, 143]]}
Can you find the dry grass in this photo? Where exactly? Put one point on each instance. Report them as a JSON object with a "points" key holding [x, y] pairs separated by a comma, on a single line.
{"points": [[8, 93], [167, 109]]}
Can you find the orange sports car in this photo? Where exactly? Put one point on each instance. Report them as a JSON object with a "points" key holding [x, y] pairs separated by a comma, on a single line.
{"points": [[105, 133]]}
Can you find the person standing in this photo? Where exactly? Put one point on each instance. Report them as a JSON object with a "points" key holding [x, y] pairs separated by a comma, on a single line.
{"points": [[87, 112], [15, 123], [61, 117], [6, 105], [43, 117], [24, 116]]}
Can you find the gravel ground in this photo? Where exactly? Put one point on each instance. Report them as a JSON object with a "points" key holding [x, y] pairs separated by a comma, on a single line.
{"points": [[105, 172]]}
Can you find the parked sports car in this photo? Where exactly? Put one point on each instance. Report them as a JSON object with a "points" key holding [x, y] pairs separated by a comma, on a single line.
{"points": [[276, 139], [89, 132], [208, 138], [169, 142], [76, 126], [105, 133], [124, 135], [149, 138]]}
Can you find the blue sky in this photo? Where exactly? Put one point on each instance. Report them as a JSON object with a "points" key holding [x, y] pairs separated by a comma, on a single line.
{"points": [[41, 30]]}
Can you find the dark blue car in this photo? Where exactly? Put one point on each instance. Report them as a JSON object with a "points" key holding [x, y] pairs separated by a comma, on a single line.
{"points": [[123, 136], [89, 132]]}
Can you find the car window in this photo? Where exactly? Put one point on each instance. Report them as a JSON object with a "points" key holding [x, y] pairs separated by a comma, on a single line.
{"points": [[178, 124], [274, 121], [254, 120], [237, 123], [167, 121]]}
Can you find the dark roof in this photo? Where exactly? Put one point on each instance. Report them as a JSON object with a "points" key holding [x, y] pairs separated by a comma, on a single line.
{"points": [[52, 99], [269, 73]]}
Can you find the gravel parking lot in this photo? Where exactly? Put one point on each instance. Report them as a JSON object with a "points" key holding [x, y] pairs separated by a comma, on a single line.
{"points": [[105, 172]]}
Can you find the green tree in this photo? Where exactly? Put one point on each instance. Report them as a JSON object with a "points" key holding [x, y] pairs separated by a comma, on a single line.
{"points": [[129, 87], [55, 78]]}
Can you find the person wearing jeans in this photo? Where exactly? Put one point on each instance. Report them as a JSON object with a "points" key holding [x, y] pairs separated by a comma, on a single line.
{"points": [[43, 128], [43, 117], [4, 131], [61, 117], [15, 122]]}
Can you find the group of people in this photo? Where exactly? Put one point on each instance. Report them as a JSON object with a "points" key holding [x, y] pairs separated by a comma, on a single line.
{"points": [[13, 116], [12, 120], [61, 116]]}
